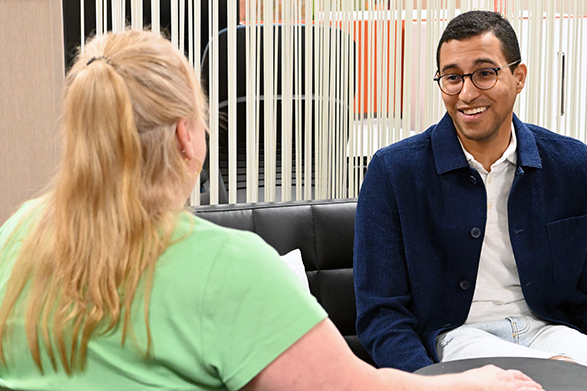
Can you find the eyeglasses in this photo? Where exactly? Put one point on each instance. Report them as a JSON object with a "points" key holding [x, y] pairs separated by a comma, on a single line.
{"points": [[484, 79]]}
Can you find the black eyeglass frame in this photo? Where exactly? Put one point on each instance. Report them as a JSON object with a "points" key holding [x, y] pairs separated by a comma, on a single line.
{"points": [[470, 75]]}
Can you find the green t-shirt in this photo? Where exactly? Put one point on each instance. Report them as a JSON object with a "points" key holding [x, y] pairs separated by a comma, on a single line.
{"points": [[223, 306]]}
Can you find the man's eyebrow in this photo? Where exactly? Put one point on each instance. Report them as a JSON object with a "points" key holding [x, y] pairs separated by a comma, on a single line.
{"points": [[478, 61]]}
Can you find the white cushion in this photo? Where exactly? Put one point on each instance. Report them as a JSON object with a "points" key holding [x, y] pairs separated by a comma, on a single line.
{"points": [[293, 259]]}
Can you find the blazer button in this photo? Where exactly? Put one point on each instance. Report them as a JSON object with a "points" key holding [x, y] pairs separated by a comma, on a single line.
{"points": [[475, 232], [465, 285], [473, 179]]}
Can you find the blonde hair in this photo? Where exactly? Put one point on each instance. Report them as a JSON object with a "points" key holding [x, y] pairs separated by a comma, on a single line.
{"points": [[112, 207]]}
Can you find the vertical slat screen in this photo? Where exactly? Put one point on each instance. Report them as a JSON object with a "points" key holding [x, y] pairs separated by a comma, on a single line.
{"points": [[327, 83]]}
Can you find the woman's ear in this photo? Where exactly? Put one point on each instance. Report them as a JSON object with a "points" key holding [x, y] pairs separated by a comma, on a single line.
{"points": [[184, 137]]}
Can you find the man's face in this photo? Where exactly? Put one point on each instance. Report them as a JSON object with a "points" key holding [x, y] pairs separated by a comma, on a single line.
{"points": [[480, 116]]}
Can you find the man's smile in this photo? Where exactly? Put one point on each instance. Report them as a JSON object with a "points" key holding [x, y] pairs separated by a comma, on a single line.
{"points": [[473, 111]]}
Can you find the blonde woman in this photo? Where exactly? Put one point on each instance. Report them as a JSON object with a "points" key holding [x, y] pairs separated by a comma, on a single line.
{"points": [[106, 283]]}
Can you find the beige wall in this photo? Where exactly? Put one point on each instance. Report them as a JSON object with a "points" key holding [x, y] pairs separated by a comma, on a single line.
{"points": [[31, 77]]}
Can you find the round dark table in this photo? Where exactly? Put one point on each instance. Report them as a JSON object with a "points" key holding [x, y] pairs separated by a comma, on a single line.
{"points": [[553, 375]]}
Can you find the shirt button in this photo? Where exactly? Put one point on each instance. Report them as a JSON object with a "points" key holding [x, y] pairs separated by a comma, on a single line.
{"points": [[473, 179], [475, 232], [465, 285], [489, 180], [489, 205]]}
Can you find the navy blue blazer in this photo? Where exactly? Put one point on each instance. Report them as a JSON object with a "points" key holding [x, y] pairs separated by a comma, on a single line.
{"points": [[419, 227]]}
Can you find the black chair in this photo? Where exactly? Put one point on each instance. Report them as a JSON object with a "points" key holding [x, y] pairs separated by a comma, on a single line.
{"points": [[241, 94]]}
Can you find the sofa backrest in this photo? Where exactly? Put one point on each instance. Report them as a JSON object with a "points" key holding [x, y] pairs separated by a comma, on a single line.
{"points": [[324, 233]]}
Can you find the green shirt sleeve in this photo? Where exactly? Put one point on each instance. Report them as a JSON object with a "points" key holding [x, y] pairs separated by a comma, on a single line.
{"points": [[255, 308]]}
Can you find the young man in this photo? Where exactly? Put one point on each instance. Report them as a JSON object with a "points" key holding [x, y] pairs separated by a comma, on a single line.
{"points": [[471, 238]]}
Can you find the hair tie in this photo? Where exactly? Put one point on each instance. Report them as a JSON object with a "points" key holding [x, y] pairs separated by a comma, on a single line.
{"points": [[99, 58]]}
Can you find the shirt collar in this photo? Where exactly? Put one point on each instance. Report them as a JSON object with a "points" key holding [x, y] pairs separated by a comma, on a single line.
{"points": [[448, 154], [509, 155]]}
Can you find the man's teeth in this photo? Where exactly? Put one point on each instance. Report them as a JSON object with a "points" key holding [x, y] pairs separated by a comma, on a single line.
{"points": [[474, 111]]}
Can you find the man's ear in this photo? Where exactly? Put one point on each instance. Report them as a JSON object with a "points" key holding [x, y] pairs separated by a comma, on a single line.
{"points": [[520, 73], [184, 137]]}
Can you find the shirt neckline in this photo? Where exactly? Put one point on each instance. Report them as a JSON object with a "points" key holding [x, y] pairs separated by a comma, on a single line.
{"points": [[509, 155]]}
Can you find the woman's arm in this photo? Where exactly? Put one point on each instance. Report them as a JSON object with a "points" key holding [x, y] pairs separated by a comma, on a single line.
{"points": [[322, 360]]}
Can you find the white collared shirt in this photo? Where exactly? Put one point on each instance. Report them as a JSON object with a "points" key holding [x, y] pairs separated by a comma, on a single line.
{"points": [[498, 293]]}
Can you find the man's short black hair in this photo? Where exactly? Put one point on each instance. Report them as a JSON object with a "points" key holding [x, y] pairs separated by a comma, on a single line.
{"points": [[473, 23]]}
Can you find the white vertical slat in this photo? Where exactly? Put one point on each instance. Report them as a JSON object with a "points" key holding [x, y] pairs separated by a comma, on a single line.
{"points": [[174, 9], [408, 69], [397, 91], [381, 54], [196, 34], [213, 100], [561, 53], [105, 13], [272, 127], [384, 128], [342, 111], [582, 108], [123, 3], [347, 75], [516, 18], [389, 129], [530, 61], [370, 69], [332, 65], [251, 105], [325, 46], [360, 66], [99, 18], [421, 77], [194, 44], [156, 15], [258, 92], [318, 82], [297, 45], [82, 25], [232, 130], [190, 34], [136, 7], [114, 14], [353, 94], [549, 63], [118, 20], [574, 74], [540, 60], [318, 61], [287, 59], [269, 137], [181, 26], [334, 101], [308, 123], [430, 64]]}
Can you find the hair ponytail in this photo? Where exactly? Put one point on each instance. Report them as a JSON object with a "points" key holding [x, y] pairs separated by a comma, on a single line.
{"points": [[109, 214]]}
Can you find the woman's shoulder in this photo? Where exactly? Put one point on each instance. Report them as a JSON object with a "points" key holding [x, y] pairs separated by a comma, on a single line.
{"points": [[200, 244], [21, 218], [192, 230]]}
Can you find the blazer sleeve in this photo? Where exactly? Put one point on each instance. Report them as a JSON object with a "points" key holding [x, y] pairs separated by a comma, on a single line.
{"points": [[385, 325]]}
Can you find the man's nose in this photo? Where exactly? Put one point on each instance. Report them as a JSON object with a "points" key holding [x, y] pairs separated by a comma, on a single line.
{"points": [[469, 90]]}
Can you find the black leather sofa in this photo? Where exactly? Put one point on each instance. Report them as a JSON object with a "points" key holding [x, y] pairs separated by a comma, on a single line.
{"points": [[323, 231]]}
